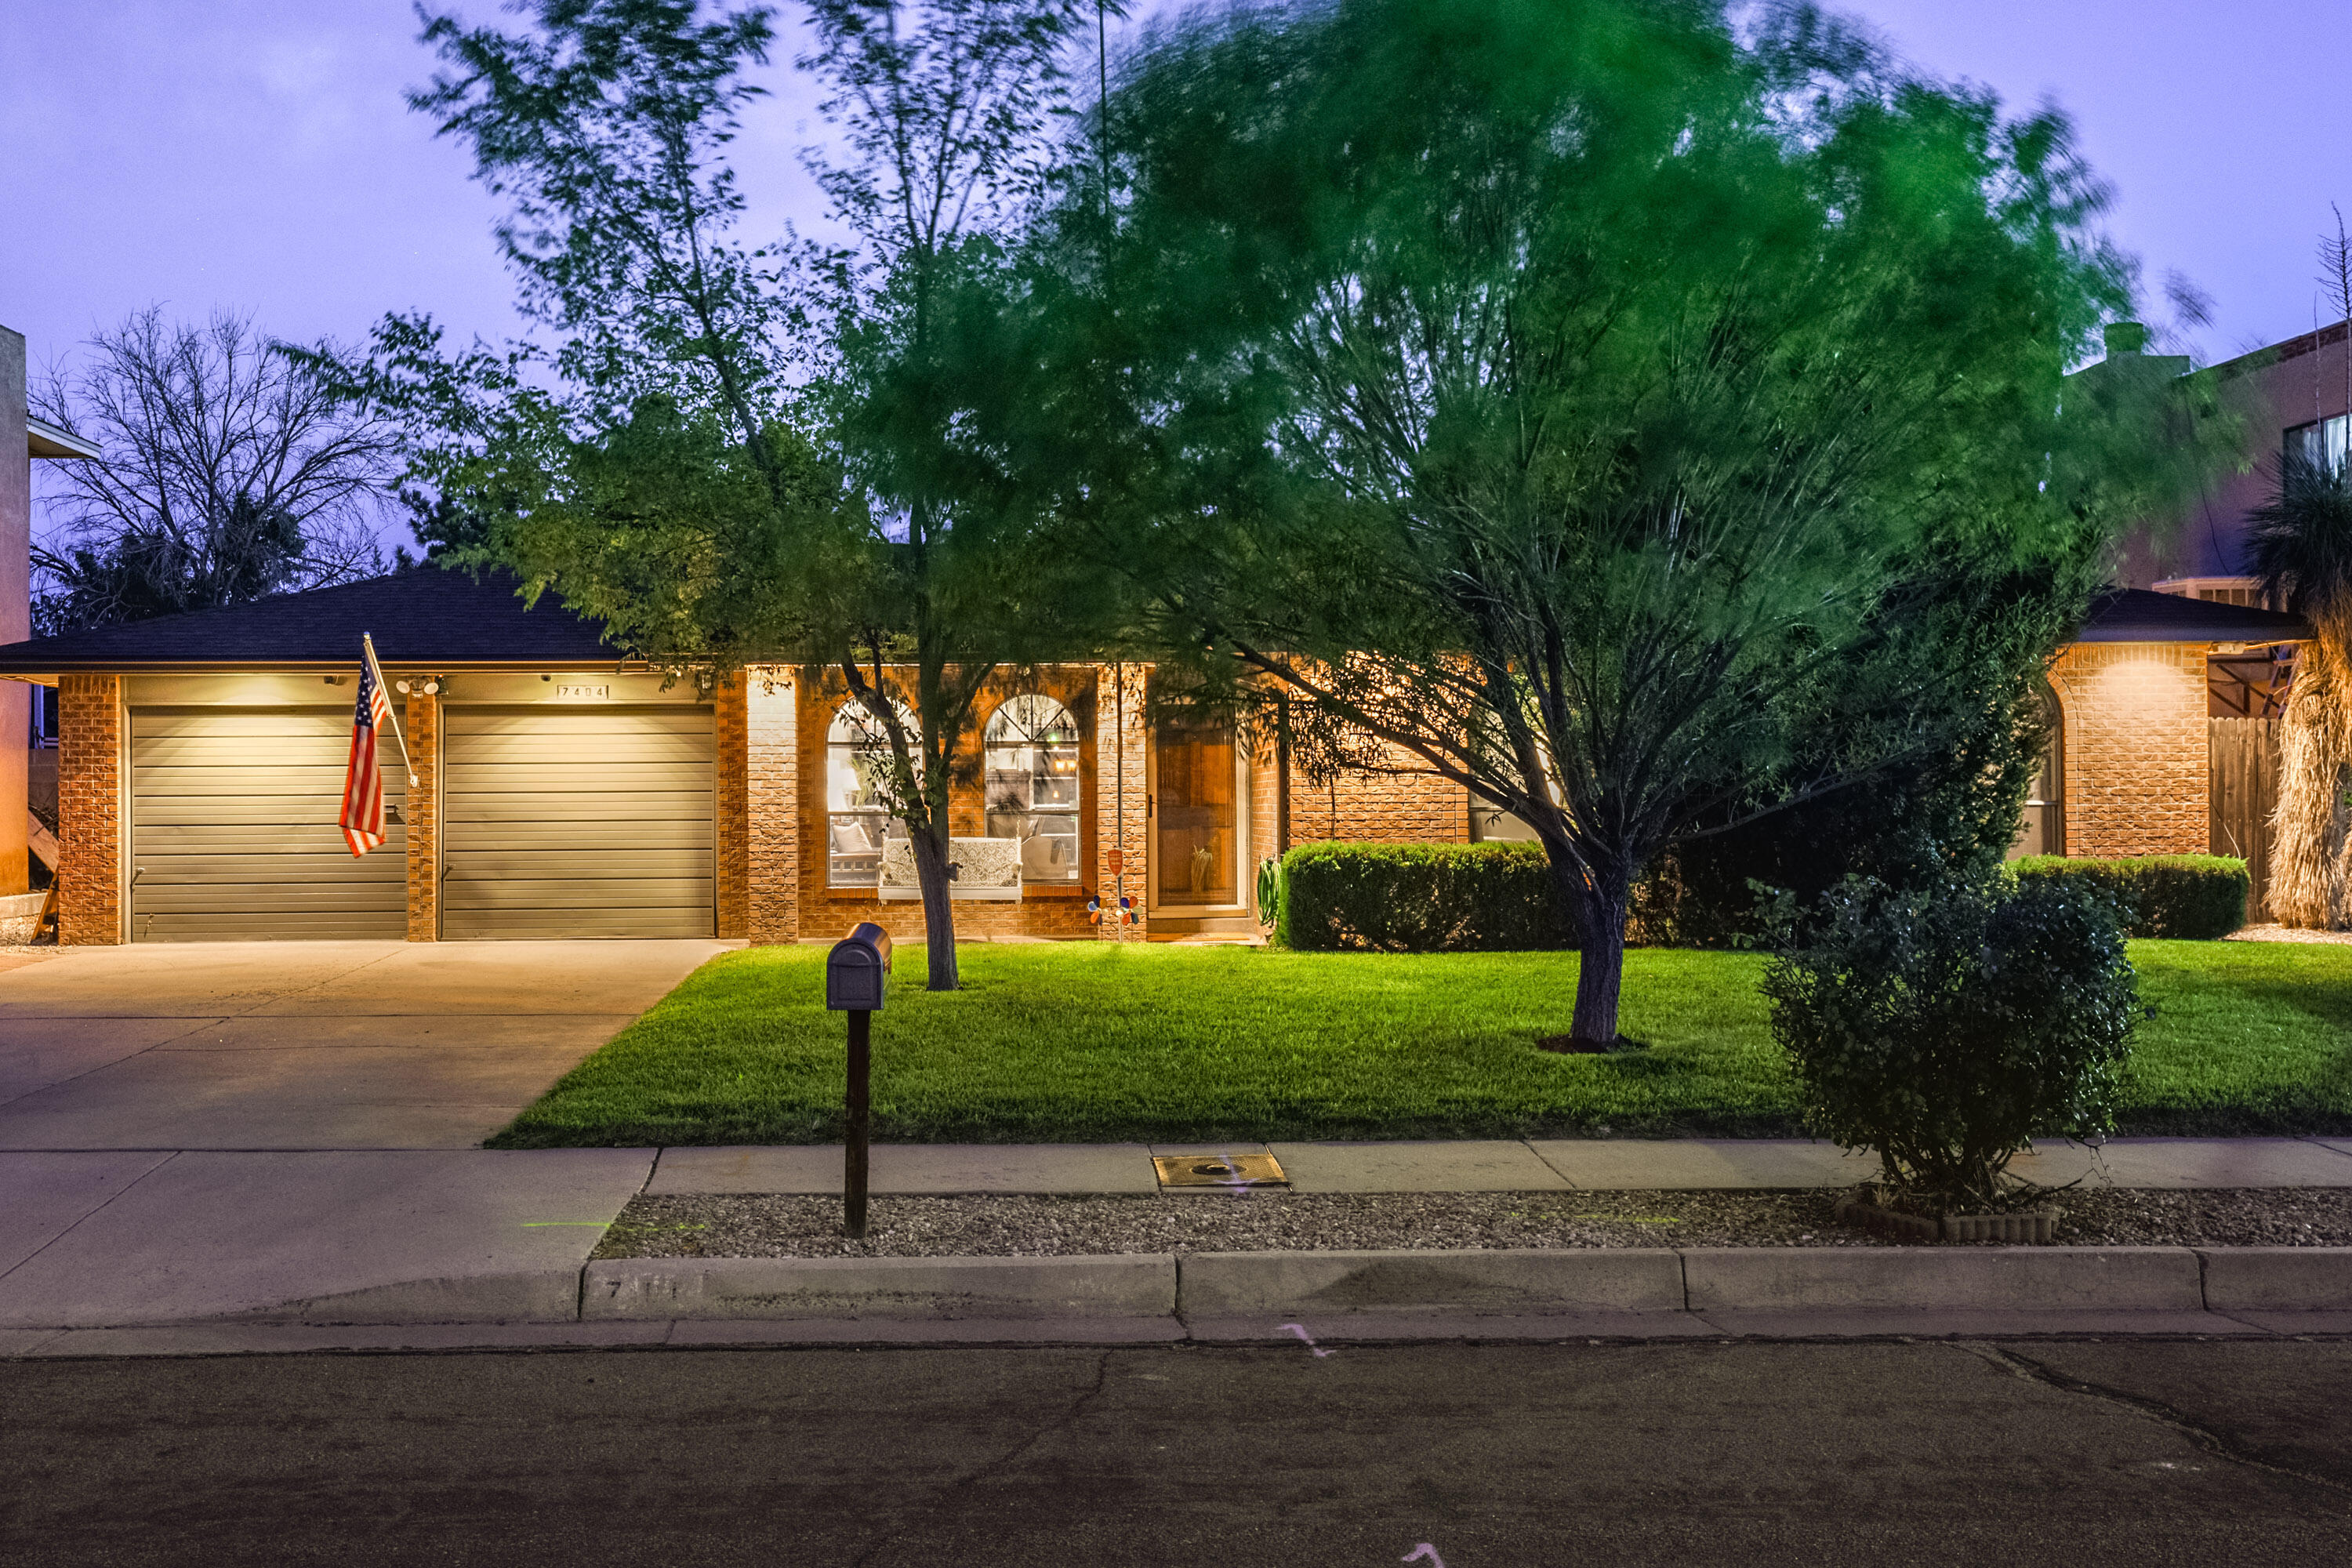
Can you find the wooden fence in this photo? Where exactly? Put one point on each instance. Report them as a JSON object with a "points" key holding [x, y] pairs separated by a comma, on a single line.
{"points": [[2244, 764]]}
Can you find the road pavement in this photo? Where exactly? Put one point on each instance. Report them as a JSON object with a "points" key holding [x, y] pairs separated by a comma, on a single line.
{"points": [[2147, 1453]]}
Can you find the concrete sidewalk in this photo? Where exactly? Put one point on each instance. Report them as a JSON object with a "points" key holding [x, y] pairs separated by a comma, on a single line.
{"points": [[1484, 1166], [124, 1238]]}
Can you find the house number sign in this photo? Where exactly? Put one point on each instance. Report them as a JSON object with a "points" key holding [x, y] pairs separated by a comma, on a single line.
{"points": [[597, 693]]}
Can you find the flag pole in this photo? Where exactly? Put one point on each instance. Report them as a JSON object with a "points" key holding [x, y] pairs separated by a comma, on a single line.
{"points": [[367, 645]]}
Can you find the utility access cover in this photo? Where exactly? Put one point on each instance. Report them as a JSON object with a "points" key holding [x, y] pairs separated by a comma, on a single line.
{"points": [[1219, 1170]]}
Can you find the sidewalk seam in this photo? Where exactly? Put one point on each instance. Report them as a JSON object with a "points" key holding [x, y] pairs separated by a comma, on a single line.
{"points": [[85, 1218]]}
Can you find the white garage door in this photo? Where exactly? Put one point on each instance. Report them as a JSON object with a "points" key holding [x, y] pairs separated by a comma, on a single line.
{"points": [[233, 829], [577, 822]]}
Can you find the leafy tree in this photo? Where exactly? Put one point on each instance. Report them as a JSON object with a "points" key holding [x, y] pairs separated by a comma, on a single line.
{"points": [[738, 455], [227, 472], [1556, 394]]}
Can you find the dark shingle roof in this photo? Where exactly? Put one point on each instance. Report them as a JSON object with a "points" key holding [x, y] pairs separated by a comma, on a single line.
{"points": [[421, 616], [2136, 615]]}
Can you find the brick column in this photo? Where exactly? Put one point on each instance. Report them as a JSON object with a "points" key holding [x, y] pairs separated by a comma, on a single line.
{"points": [[771, 853], [1118, 705], [89, 810], [422, 809], [2137, 748], [732, 784]]}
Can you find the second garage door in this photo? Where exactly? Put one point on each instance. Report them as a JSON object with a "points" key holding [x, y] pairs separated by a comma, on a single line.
{"points": [[587, 821]]}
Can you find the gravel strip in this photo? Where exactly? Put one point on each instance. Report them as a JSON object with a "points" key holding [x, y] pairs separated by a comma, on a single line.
{"points": [[768, 1225], [2286, 934]]}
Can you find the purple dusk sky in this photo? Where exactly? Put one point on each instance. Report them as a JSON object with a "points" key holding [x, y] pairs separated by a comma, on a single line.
{"points": [[256, 154]]}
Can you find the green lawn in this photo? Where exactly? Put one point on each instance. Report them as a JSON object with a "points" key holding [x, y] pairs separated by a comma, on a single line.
{"points": [[1079, 1042]]}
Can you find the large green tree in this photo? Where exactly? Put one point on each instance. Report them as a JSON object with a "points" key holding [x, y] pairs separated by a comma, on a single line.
{"points": [[1554, 394], [735, 454]]}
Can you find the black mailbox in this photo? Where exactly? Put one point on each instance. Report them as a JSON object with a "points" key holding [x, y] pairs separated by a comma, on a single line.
{"points": [[856, 969]]}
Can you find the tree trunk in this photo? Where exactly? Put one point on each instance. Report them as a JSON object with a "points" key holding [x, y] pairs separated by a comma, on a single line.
{"points": [[1600, 965], [939, 910]]}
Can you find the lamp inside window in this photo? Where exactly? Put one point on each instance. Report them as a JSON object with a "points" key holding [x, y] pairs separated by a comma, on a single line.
{"points": [[1032, 787], [857, 796]]}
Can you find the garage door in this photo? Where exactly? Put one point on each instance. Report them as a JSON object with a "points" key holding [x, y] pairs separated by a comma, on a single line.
{"points": [[233, 832], [586, 822]]}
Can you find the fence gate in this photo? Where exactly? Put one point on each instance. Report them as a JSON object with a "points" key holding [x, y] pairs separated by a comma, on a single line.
{"points": [[2243, 788]]}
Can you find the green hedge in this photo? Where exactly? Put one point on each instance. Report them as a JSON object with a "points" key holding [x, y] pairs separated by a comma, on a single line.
{"points": [[1421, 898], [2197, 896]]}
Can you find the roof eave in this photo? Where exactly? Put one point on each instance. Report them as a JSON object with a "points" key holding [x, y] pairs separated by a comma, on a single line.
{"points": [[42, 440]]}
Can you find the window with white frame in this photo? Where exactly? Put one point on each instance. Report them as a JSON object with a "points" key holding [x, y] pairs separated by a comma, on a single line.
{"points": [[857, 796], [2321, 444], [1032, 785]]}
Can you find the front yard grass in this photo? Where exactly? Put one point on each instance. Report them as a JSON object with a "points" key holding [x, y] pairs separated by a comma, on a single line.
{"points": [[1086, 1043]]}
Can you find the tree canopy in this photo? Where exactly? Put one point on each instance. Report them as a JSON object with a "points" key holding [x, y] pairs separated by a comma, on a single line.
{"points": [[1557, 396]]}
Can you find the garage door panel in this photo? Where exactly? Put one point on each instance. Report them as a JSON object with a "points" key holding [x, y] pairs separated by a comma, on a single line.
{"points": [[233, 829], [583, 776], [279, 778], [461, 892], [312, 926], [331, 751], [566, 749], [581, 721], [641, 805], [274, 897], [556, 864], [555, 835], [477, 925], [255, 838], [578, 822], [200, 723], [389, 864], [291, 811]]}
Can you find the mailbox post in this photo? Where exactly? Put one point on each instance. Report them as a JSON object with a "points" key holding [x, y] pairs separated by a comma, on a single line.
{"points": [[855, 975]]}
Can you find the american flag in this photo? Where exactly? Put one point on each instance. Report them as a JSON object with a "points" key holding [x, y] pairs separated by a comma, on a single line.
{"points": [[362, 819]]}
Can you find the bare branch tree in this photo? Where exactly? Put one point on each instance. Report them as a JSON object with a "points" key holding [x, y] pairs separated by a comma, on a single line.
{"points": [[228, 471]]}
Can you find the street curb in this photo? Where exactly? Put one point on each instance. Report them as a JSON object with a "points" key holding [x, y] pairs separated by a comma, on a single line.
{"points": [[1123, 1285], [1594, 1279], [2277, 1279], [1998, 1279], [525, 1296], [1765, 1283]]}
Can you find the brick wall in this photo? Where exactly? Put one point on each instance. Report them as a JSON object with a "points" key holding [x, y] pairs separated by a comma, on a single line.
{"points": [[89, 810], [2137, 777], [731, 733], [771, 875], [1381, 808], [421, 808]]}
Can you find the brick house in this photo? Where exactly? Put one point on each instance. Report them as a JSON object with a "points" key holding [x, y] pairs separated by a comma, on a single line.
{"points": [[561, 792]]}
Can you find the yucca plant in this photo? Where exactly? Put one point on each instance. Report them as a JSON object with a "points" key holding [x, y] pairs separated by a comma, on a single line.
{"points": [[2300, 545]]}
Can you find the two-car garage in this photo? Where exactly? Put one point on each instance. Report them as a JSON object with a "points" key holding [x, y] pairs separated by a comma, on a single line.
{"points": [[567, 816]]}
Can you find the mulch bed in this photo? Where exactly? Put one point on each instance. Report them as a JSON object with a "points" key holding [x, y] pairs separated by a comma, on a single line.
{"points": [[768, 1226]]}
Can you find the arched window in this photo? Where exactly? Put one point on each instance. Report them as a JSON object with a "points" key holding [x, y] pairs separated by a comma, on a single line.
{"points": [[2043, 831], [1032, 789], [857, 797]]}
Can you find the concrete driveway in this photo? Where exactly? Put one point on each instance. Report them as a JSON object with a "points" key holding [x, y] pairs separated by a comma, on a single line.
{"points": [[308, 1046]]}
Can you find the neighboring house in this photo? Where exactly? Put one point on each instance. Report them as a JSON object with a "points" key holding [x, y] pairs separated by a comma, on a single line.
{"points": [[2170, 694], [22, 438], [562, 793]]}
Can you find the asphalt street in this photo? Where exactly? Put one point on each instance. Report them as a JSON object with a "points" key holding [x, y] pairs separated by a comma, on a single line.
{"points": [[2140, 1452]]}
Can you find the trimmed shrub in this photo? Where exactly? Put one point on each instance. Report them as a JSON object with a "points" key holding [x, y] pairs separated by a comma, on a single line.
{"points": [[1944, 1031], [1422, 897], [2198, 897]]}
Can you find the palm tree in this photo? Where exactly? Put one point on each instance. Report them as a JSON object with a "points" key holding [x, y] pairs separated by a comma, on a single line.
{"points": [[2300, 545]]}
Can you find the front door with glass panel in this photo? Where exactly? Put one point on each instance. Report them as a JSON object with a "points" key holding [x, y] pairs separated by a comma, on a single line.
{"points": [[1196, 826]]}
